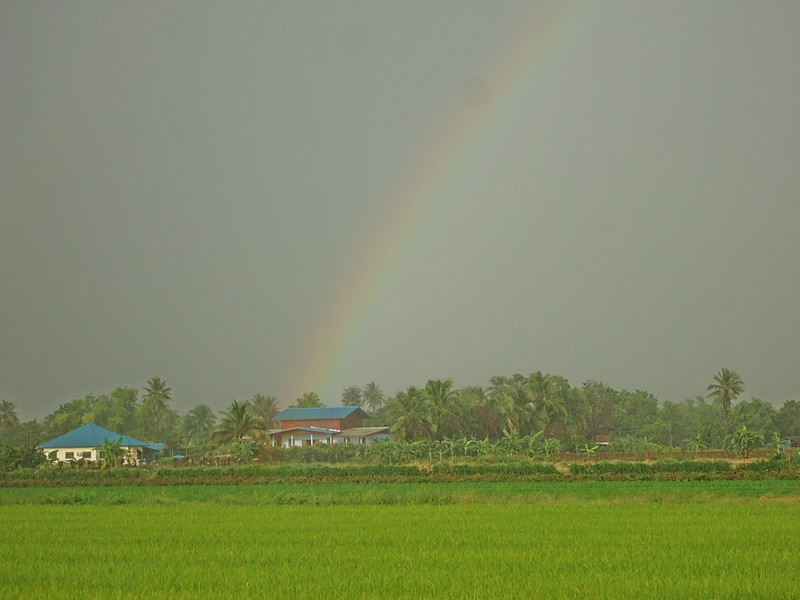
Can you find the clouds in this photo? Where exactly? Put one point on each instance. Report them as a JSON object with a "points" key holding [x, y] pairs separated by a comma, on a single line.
{"points": [[186, 188]]}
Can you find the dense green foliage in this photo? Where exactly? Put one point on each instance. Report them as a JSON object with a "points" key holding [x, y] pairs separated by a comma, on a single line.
{"points": [[538, 414], [665, 546]]}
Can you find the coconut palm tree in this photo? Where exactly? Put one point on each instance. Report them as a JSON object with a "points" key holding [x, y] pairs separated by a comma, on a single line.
{"points": [[265, 408], [352, 396], [514, 391], [309, 400], [156, 399], [237, 422], [416, 419], [545, 402], [8, 415], [598, 401], [500, 399], [726, 387], [199, 422], [443, 399], [373, 396], [488, 410], [574, 403]]}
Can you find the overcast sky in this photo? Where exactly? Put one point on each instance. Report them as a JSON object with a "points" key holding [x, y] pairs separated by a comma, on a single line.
{"points": [[188, 189]]}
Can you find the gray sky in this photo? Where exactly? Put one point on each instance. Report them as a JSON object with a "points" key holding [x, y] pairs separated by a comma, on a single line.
{"points": [[187, 190]]}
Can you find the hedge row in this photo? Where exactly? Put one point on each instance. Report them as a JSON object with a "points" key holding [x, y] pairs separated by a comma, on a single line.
{"points": [[442, 472], [640, 468]]}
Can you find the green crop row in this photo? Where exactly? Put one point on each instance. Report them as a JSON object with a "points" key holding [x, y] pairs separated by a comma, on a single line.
{"points": [[439, 472], [641, 468]]}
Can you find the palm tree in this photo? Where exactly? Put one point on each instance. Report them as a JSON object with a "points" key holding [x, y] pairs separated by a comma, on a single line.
{"points": [[725, 389], [199, 422], [265, 408], [8, 415], [501, 400], [155, 400], [442, 398], [352, 396], [574, 403], [545, 402], [373, 396], [237, 422], [308, 400], [416, 419], [599, 405], [488, 410], [513, 390]]}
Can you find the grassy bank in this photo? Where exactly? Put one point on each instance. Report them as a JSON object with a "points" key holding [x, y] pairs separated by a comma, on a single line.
{"points": [[328, 494]]}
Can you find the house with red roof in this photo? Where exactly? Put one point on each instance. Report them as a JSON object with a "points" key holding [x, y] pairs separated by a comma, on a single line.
{"points": [[324, 425]]}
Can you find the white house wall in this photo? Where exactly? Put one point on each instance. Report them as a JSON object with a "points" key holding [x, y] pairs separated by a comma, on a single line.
{"points": [[297, 440], [77, 453], [131, 454], [366, 440]]}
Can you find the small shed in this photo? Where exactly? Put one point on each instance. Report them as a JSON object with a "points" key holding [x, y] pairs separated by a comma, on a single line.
{"points": [[360, 436]]}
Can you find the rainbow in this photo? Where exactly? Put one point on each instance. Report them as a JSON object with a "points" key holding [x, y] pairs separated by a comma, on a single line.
{"points": [[427, 193]]}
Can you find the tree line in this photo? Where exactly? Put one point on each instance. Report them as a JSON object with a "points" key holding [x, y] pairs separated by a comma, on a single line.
{"points": [[538, 405]]}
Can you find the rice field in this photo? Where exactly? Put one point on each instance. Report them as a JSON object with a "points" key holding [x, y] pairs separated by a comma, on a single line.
{"points": [[598, 540]]}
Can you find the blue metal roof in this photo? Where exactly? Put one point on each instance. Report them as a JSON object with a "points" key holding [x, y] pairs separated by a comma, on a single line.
{"points": [[325, 412], [92, 436]]}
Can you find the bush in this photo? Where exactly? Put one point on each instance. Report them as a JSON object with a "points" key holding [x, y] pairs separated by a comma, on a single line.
{"points": [[20, 457], [604, 469]]}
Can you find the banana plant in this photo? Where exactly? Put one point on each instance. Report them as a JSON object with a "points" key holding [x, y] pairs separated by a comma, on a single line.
{"points": [[460, 446], [697, 445], [745, 439], [511, 443], [778, 443], [533, 443], [551, 446], [112, 453], [589, 450]]}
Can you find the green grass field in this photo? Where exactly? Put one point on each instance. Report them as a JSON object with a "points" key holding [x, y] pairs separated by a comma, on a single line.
{"points": [[565, 540]]}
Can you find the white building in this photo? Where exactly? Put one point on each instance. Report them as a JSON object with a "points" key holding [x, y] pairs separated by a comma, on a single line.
{"points": [[85, 441]]}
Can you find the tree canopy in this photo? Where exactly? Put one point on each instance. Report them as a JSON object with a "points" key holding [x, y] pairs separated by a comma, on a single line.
{"points": [[510, 407]]}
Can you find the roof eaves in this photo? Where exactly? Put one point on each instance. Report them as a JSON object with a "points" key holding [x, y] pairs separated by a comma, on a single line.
{"points": [[305, 428]]}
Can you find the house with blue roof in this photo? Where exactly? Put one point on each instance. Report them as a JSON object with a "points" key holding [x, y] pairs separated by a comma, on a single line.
{"points": [[326, 417], [85, 442], [324, 425]]}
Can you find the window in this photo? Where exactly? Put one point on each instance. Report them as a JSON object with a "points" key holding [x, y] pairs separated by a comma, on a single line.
{"points": [[87, 454], [69, 455]]}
